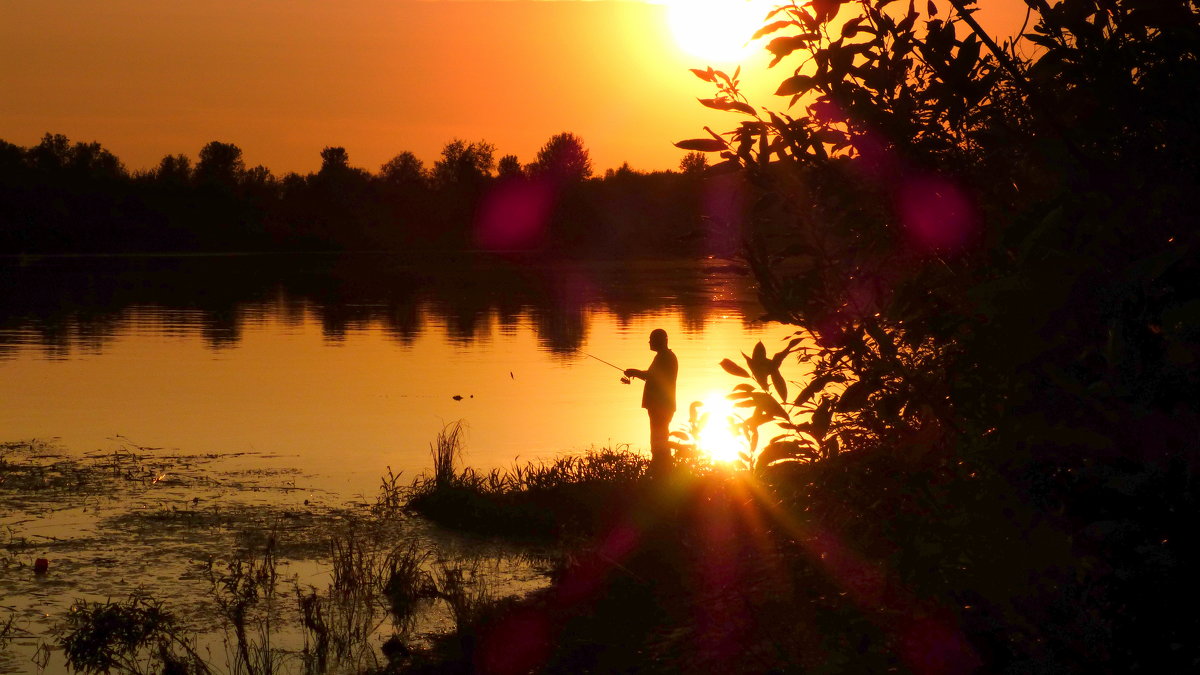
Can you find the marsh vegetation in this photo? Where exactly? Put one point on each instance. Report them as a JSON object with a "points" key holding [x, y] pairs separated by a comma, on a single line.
{"points": [[158, 562]]}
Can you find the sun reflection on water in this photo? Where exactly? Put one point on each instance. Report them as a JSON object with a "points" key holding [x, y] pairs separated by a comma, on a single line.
{"points": [[720, 438]]}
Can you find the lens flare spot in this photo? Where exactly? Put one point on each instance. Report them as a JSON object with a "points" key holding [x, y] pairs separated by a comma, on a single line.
{"points": [[514, 215], [937, 214]]}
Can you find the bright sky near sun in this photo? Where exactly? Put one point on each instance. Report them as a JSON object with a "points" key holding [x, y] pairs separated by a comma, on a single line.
{"points": [[284, 78]]}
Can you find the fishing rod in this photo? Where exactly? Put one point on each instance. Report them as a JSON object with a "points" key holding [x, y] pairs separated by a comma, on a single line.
{"points": [[624, 380], [605, 362]]}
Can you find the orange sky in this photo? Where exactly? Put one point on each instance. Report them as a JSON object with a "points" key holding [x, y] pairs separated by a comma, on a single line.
{"points": [[284, 78]]}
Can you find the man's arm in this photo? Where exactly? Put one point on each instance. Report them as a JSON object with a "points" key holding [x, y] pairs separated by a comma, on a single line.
{"points": [[634, 372]]}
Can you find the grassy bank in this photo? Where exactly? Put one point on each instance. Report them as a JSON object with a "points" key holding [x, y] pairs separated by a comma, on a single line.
{"points": [[893, 561], [568, 496]]}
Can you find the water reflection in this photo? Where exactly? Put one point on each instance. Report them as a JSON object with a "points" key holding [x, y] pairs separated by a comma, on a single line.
{"points": [[84, 303], [341, 366]]}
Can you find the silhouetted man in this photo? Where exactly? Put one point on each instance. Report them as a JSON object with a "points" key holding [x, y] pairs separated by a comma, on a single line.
{"points": [[658, 398]]}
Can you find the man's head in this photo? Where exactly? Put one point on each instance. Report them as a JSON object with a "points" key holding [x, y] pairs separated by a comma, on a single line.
{"points": [[658, 339]]}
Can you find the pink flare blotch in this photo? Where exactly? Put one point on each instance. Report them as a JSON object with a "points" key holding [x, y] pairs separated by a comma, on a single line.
{"points": [[514, 216], [936, 213]]}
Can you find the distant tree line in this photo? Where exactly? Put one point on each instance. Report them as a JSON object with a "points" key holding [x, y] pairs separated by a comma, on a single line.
{"points": [[59, 196]]}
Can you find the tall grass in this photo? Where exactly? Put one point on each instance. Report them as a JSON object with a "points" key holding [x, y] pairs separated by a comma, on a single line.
{"points": [[370, 580], [536, 498], [465, 591], [245, 595], [446, 449], [134, 636]]}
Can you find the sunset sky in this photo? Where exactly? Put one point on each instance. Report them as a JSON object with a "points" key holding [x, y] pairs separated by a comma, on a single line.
{"points": [[284, 78]]}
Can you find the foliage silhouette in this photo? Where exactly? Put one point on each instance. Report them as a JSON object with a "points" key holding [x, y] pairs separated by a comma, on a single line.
{"points": [[694, 163], [564, 159], [59, 197], [988, 251]]}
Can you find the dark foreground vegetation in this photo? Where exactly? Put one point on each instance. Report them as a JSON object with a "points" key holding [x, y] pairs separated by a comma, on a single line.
{"points": [[64, 197], [891, 561], [989, 252]]}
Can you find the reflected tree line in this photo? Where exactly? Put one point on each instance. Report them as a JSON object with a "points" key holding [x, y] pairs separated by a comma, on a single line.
{"points": [[60, 196], [69, 303]]}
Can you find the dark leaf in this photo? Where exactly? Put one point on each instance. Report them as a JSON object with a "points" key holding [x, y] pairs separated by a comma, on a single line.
{"points": [[968, 55], [821, 418], [726, 104], [702, 145], [779, 383], [831, 447], [851, 27], [797, 84], [741, 107], [817, 384], [781, 450], [910, 19], [733, 368], [760, 365], [855, 396], [766, 405], [782, 46], [706, 75], [772, 27]]}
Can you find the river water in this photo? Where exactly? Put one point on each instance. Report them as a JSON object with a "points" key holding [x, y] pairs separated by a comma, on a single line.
{"points": [[340, 366], [186, 407]]}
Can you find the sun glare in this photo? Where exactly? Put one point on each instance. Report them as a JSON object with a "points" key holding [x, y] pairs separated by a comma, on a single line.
{"points": [[718, 31], [718, 439]]}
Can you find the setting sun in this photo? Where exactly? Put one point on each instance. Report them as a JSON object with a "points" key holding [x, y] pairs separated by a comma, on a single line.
{"points": [[716, 30]]}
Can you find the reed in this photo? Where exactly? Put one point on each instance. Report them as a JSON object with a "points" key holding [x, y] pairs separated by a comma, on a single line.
{"points": [[406, 583], [133, 636], [446, 450], [245, 595], [466, 593], [539, 499], [7, 630]]}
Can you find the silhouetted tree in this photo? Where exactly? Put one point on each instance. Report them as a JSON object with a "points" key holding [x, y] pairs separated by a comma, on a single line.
{"points": [[92, 160], [51, 154], [220, 164], [403, 169], [334, 159], [623, 171], [340, 203], [173, 169], [564, 158], [693, 163], [464, 164], [407, 207], [509, 167], [65, 196]]}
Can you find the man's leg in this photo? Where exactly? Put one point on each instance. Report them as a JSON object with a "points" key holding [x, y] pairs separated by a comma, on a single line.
{"points": [[660, 434]]}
